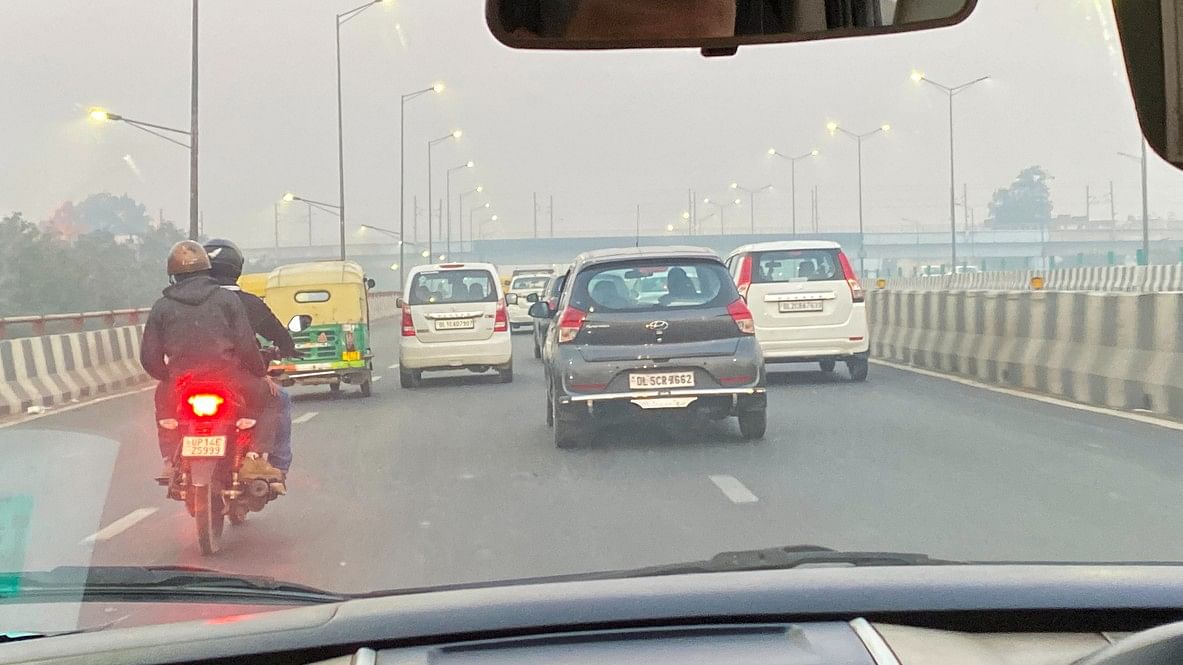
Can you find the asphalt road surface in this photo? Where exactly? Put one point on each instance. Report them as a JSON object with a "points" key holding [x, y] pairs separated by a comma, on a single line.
{"points": [[459, 481]]}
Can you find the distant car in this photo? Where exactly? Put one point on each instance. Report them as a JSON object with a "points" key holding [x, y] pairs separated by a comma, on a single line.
{"points": [[807, 303], [613, 353], [550, 295], [522, 286], [454, 316]]}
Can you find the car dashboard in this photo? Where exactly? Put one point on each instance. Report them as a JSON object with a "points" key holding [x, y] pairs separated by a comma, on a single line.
{"points": [[911, 615]]}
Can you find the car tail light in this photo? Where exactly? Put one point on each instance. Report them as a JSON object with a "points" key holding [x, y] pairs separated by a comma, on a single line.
{"points": [[744, 281], [501, 321], [408, 322], [856, 289], [204, 405], [742, 316], [570, 323]]}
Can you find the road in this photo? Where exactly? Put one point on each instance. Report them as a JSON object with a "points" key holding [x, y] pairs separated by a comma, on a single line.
{"points": [[459, 481]]}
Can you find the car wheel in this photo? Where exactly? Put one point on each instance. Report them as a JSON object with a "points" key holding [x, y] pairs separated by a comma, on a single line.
{"points": [[550, 411], [827, 365], [409, 378], [752, 424], [566, 432], [367, 388], [505, 374], [858, 369], [537, 350], [335, 387]]}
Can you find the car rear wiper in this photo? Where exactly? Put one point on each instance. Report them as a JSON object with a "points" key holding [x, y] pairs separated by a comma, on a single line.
{"points": [[153, 582], [792, 556]]}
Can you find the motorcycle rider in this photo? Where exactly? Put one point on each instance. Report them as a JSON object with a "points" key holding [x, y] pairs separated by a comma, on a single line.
{"points": [[197, 330], [226, 261]]}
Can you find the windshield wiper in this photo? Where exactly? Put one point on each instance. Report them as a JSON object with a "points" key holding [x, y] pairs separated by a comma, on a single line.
{"points": [[792, 556], [162, 582]]}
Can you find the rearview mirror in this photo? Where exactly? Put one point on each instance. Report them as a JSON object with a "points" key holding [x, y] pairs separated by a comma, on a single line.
{"points": [[716, 26], [511, 299], [300, 323], [399, 302], [540, 310], [532, 297]]}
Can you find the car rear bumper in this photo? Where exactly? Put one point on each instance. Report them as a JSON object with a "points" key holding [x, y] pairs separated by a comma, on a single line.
{"points": [[414, 354], [809, 350], [628, 405]]}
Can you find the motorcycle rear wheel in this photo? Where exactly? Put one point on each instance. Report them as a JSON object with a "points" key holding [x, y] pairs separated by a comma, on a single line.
{"points": [[210, 518]]}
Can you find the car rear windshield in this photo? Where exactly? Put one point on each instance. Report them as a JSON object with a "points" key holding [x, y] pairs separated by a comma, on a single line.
{"points": [[432, 287], [535, 282], [653, 285], [796, 265]]}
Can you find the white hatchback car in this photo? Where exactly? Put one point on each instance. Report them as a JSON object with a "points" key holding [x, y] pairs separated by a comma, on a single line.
{"points": [[454, 316], [806, 303], [522, 286]]}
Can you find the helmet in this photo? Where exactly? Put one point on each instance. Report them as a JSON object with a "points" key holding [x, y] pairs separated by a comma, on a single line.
{"points": [[225, 257], [187, 257]]}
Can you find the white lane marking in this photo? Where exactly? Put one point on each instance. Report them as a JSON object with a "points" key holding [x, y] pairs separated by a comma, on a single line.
{"points": [[376, 378], [54, 410], [1046, 399], [118, 526], [305, 418], [394, 366], [733, 489]]}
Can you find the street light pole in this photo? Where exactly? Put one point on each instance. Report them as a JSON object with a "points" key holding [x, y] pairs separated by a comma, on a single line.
{"points": [[431, 144], [1141, 159], [793, 177], [858, 138], [460, 213], [448, 194], [950, 91], [751, 201], [402, 161], [194, 206]]}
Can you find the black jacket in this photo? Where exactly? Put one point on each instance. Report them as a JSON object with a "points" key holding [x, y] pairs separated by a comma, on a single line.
{"points": [[198, 324], [264, 323]]}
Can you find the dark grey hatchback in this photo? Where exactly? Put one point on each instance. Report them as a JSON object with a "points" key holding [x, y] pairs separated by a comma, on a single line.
{"points": [[654, 329]]}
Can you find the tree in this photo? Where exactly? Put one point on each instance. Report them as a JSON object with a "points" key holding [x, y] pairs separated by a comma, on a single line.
{"points": [[118, 215], [1025, 204]]}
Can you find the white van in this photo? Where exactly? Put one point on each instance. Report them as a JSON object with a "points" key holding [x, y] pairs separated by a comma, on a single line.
{"points": [[454, 316], [806, 303]]}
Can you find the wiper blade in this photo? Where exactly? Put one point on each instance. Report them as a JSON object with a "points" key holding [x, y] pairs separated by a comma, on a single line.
{"points": [[187, 581], [793, 556]]}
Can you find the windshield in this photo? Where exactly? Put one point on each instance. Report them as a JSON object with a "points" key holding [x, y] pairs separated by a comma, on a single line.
{"points": [[1000, 382]]}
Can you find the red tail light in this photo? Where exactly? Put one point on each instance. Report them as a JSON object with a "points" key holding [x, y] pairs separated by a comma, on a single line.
{"points": [[744, 281], [856, 289], [742, 316], [570, 323], [501, 322], [408, 322], [205, 405]]}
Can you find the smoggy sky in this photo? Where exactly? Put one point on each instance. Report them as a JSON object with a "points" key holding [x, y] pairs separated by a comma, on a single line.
{"points": [[600, 131]]}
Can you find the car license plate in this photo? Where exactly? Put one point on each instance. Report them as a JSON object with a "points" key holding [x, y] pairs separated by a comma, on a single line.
{"points": [[203, 446], [455, 324], [663, 380], [801, 305]]}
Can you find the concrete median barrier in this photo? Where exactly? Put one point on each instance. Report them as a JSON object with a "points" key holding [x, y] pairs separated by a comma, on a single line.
{"points": [[1117, 350], [56, 369], [1138, 279]]}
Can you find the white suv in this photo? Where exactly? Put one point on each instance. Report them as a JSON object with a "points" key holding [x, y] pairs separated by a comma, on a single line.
{"points": [[454, 317], [806, 303]]}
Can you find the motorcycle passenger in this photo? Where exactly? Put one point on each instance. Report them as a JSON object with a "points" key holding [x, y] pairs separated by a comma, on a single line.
{"points": [[198, 330], [227, 261]]}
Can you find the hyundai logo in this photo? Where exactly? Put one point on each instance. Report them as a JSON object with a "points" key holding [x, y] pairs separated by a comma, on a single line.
{"points": [[657, 326]]}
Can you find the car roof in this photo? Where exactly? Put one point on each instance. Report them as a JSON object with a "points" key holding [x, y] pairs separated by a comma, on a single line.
{"points": [[457, 265], [785, 245], [661, 252]]}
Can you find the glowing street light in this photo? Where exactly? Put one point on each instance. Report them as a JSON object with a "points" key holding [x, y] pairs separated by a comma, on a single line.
{"points": [[720, 206], [437, 88], [833, 127], [751, 199], [772, 152], [454, 135]]}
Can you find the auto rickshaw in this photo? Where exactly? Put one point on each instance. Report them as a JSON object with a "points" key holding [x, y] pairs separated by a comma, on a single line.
{"points": [[325, 305], [254, 283]]}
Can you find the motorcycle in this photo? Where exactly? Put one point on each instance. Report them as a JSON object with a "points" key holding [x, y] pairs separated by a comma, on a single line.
{"points": [[217, 476]]}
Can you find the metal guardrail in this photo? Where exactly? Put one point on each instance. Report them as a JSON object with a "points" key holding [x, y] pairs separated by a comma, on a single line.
{"points": [[46, 324]]}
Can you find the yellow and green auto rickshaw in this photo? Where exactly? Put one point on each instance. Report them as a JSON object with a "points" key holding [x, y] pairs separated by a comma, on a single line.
{"points": [[254, 283], [325, 305]]}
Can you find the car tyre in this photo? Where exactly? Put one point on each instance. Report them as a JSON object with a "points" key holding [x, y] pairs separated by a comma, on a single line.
{"points": [[505, 374], [537, 349], [827, 365], [566, 432], [367, 388], [409, 378], [858, 369], [752, 424], [335, 387]]}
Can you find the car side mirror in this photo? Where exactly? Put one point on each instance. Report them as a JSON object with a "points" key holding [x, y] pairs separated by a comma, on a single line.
{"points": [[399, 302], [540, 310], [370, 283], [300, 322], [511, 299], [532, 297]]}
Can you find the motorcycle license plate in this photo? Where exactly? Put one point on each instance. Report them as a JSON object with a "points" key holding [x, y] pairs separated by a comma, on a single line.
{"points": [[203, 446]]}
